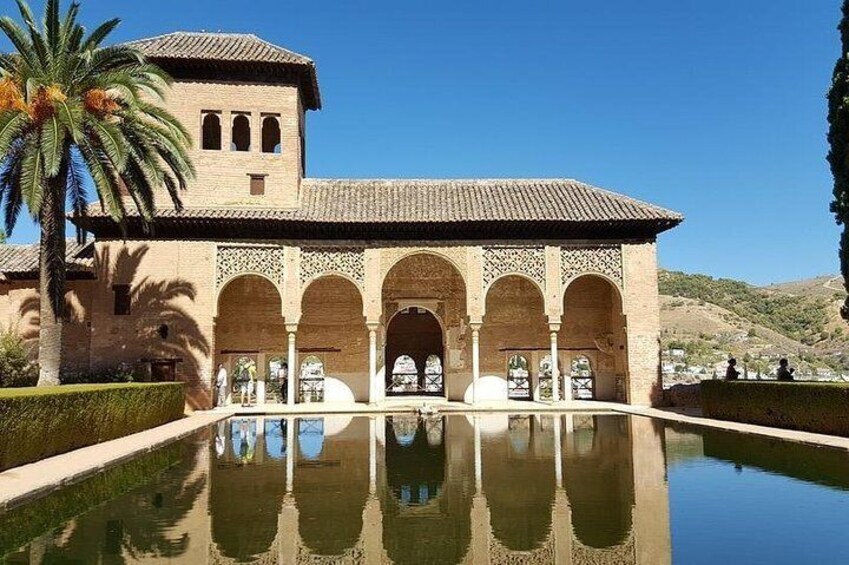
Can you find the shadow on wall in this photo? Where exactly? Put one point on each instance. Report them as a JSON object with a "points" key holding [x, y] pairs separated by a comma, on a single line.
{"points": [[159, 326]]}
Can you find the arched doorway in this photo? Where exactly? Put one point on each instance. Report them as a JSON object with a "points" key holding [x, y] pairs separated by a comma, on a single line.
{"points": [[414, 354], [250, 331], [592, 337]]}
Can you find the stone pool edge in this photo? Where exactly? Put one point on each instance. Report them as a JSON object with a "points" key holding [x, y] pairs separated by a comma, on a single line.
{"points": [[27, 483], [796, 436]]}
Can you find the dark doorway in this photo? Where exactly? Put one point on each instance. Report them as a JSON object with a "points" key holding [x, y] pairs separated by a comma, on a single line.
{"points": [[163, 371], [415, 354]]}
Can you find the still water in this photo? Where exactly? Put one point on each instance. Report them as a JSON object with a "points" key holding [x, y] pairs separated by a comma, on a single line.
{"points": [[493, 488]]}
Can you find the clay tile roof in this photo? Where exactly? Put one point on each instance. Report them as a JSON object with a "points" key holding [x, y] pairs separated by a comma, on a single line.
{"points": [[21, 261], [227, 48], [238, 47], [380, 206]]}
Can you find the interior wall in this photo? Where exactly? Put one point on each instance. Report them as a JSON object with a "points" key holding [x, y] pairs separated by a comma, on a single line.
{"points": [[332, 327], [593, 326], [515, 323]]}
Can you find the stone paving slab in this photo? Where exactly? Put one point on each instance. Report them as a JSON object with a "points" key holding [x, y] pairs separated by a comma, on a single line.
{"points": [[28, 482], [694, 417]]}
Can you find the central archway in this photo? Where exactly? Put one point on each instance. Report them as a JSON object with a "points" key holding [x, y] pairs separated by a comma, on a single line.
{"points": [[415, 353]]}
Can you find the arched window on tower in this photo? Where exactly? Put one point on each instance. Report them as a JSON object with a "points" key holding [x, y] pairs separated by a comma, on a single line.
{"points": [[211, 134], [271, 142], [241, 133]]}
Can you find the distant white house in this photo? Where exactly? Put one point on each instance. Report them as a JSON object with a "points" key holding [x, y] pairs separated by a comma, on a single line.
{"points": [[677, 353]]}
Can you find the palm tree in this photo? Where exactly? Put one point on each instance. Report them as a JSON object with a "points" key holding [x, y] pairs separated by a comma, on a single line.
{"points": [[69, 107]]}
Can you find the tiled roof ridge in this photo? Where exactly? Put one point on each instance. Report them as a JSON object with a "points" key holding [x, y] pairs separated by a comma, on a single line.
{"points": [[226, 34]]}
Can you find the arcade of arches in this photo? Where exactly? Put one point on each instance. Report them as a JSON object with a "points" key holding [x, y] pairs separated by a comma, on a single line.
{"points": [[473, 324]]}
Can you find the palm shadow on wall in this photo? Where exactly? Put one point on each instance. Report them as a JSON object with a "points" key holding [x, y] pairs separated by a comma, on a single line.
{"points": [[159, 326]]}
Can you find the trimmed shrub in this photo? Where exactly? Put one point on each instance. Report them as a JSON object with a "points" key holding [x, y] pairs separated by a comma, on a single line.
{"points": [[123, 373], [40, 422], [807, 406], [16, 368]]}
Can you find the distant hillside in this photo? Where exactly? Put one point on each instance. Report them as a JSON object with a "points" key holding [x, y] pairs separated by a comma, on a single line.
{"points": [[713, 318]]}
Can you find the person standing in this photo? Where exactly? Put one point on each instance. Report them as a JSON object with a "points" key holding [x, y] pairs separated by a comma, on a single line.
{"points": [[221, 384]]}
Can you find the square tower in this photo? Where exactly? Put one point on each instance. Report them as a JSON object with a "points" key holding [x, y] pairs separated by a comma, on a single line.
{"points": [[244, 102]]}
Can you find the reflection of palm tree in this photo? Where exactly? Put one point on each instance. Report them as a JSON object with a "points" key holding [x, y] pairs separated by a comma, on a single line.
{"points": [[136, 524]]}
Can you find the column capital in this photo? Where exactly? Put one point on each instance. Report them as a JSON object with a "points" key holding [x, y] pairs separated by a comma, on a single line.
{"points": [[554, 328], [475, 325], [372, 325], [291, 328]]}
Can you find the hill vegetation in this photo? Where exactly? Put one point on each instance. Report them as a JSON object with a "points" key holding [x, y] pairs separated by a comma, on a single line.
{"points": [[711, 319], [802, 318]]}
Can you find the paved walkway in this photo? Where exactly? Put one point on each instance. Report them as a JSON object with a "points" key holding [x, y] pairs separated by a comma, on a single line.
{"points": [[694, 416], [29, 482]]}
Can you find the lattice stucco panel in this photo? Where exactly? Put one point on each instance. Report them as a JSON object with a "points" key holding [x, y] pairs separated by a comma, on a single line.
{"points": [[499, 261], [604, 260], [235, 260], [349, 261]]}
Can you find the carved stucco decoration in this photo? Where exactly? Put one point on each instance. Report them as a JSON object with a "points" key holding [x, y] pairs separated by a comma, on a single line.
{"points": [[348, 261], [499, 554], [622, 554], [599, 259], [500, 261], [391, 256], [235, 260]]}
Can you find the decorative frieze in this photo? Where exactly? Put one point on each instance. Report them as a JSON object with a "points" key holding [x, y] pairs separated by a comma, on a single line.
{"points": [[508, 260], [348, 261], [235, 260], [585, 260]]}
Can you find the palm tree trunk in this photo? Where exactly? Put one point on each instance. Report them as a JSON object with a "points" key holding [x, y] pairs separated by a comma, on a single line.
{"points": [[51, 283]]}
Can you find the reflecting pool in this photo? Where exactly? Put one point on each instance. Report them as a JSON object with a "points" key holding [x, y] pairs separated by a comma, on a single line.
{"points": [[484, 488]]}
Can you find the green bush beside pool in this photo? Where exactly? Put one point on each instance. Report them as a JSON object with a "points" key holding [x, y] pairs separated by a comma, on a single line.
{"points": [[40, 422], [808, 406]]}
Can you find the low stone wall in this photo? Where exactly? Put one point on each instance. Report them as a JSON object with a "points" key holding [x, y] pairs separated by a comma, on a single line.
{"points": [[36, 423], [807, 406]]}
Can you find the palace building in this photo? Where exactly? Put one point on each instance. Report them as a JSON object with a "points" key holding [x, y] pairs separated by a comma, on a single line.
{"points": [[325, 290]]}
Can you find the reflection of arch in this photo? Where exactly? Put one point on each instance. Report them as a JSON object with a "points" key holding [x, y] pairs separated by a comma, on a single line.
{"points": [[274, 432], [519, 483], [310, 437], [330, 491], [600, 477]]}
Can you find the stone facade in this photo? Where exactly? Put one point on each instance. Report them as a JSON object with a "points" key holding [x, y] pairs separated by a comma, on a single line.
{"points": [[348, 258]]}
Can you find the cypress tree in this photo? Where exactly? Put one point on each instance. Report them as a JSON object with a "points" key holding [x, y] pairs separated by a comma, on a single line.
{"points": [[838, 139]]}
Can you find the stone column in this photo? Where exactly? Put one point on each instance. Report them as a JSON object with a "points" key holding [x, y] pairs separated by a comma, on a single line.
{"points": [[476, 360], [374, 387], [651, 492], [372, 456], [292, 361], [555, 365], [290, 454], [558, 453]]}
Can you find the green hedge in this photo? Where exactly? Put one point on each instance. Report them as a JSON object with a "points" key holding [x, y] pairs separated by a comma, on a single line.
{"points": [[40, 422], [808, 406]]}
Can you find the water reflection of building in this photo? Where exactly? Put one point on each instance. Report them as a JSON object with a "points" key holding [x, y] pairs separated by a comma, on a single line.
{"points": [[481, 489]]}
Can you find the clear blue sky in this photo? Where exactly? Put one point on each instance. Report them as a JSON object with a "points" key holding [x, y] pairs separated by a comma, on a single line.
{"points": [[715, 109]]}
